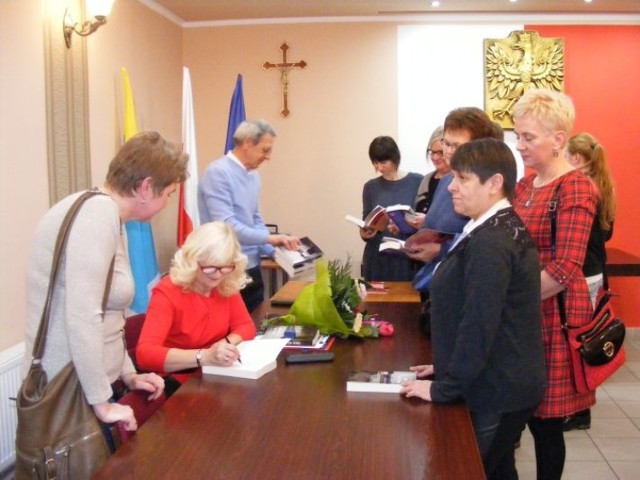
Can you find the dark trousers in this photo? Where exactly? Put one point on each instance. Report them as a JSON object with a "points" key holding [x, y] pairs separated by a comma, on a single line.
{"points": [[253, 293], [496, 434], [550, 449]]}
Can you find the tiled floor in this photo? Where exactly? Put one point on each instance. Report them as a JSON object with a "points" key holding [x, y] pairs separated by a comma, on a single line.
{"points": [[610, 449]]}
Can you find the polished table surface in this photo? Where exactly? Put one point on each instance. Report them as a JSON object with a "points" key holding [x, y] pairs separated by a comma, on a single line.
{"points": [[299, 422], [395, 292]]}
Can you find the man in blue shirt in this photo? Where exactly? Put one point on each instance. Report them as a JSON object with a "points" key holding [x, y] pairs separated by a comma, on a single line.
{"points": [[229, 191]]}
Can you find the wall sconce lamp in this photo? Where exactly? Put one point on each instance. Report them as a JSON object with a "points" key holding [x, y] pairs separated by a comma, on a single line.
{"points": [[97, 10]]}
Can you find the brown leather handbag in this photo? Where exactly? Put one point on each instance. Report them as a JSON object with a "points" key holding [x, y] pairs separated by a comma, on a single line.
{"points": [[58, 434]]}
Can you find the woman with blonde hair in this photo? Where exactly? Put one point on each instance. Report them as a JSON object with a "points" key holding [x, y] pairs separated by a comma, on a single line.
{"points": [[542, 122], [196, 315]]}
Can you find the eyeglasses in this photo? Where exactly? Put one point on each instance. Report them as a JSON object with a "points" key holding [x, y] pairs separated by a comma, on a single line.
{"points": [[449, 146], [434, 153], [211, 270]]}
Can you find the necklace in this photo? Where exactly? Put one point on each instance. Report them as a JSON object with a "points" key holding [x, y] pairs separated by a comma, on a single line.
{"points": [[528, 202]]}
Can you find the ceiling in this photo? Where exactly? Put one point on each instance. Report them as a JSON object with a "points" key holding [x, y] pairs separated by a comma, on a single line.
{"points": [[225, 10]]}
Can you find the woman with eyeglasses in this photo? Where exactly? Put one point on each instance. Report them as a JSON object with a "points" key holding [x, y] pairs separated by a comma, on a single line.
{"points": [[196, 315], [430, 181]]}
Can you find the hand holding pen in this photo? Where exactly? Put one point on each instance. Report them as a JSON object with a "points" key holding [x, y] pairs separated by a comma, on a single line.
{"points": [[239, 359]]}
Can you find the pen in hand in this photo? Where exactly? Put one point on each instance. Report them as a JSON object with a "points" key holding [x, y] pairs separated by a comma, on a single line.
{"points": [[239, 359]]}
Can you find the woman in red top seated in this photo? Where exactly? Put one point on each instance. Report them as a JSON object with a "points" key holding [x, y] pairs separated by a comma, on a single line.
{"points": [[196, 315]]}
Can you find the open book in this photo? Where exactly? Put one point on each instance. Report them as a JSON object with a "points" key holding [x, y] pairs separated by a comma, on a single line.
{"points": [[411, 244], [376, 220], [297, 262], [381, 381], [257, 356], [401, 215]]}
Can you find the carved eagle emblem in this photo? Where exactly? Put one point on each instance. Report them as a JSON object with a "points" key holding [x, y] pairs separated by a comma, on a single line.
{"points": [[517, 63]]}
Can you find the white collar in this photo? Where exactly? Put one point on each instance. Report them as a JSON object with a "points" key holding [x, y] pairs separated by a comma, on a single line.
{"points": [[473, 224], [232, 156]]}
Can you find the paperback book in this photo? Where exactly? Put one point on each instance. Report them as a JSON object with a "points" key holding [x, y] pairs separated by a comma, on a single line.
{"points": [[421, 237], [383, 381], [401, 215], [298, 335], [297, 262], [377, 219], [257, 357]]}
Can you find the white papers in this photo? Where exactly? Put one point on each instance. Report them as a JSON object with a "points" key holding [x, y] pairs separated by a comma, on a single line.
{"points": [[258, 357]]}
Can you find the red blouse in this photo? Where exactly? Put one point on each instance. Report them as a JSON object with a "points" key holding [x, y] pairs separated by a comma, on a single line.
{"points": [[575, 212], [187, 320]]}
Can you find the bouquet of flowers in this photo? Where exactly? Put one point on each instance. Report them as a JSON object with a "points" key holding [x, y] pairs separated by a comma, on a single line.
{"points": [[333, 304]]}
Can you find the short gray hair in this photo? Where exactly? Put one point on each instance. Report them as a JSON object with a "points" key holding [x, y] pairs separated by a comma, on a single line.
{"points": [[253, 130]]}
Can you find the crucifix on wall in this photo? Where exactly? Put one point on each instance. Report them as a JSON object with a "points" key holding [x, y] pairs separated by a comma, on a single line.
{"points": [[284, 68]]}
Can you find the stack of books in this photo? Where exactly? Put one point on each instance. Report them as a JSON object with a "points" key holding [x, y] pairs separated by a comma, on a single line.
{"points": [[300, 261], [380, 381], [301, 337]]}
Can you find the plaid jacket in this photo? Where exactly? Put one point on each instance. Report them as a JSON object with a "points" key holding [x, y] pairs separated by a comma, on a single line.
{"points": [[576, 208]]}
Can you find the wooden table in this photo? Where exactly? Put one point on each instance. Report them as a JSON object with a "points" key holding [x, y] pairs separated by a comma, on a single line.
{"points": [[299, 422], [397, 292]]}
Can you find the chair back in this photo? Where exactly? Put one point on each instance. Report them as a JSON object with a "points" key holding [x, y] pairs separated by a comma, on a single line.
{"points": [[142, 407], [132, 328]]}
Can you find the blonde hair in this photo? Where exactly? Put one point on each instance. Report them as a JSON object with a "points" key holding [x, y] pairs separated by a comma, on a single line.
{"points": [[595, 167], [554, 110], [216, 244]]}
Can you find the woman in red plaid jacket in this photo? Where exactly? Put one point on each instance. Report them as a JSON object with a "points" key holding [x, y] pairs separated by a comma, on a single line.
{"points": [[543, 121]]}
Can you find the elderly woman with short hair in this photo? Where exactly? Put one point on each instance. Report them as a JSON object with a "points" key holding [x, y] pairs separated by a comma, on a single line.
{"points": [[196, 315]]}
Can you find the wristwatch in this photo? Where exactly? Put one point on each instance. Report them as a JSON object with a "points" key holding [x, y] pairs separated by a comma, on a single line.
{"points": [[199, 357]]}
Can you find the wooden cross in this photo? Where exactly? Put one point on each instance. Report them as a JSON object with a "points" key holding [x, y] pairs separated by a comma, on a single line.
{"points": [[284, 68]]}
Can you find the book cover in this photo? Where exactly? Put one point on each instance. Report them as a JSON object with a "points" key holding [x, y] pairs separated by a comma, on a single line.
{"points": [[257, 356], [295, 262], [426, 235], [377, 219], [399, 215], [323, 344], [298, 335], [383, 381]]}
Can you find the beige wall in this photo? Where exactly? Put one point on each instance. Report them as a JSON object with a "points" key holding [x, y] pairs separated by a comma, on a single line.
{"points": [[339, 103], [346, 96], [24, 193], [150, 48]]}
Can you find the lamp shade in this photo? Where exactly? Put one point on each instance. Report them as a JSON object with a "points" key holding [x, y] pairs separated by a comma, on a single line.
{"points": [[96, 8]]}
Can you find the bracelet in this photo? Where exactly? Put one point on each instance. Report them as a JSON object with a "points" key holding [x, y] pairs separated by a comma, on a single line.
{"points": [[199, 357]]}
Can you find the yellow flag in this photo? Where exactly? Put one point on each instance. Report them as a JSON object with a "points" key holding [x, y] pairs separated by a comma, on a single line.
{"points": [[130, 124]]}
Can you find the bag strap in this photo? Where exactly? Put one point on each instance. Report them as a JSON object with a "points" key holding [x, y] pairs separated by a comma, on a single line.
{"points": [[553, 213], [61, 242]]}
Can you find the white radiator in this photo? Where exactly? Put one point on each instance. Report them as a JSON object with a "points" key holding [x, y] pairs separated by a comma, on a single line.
{"points": [[10, 379]]}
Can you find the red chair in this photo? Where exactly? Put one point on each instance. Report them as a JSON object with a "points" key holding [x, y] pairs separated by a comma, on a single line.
{"points": [[132, 329], [142, 409]]}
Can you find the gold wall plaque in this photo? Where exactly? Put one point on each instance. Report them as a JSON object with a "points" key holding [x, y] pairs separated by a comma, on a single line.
{"points": [[515, 64]]}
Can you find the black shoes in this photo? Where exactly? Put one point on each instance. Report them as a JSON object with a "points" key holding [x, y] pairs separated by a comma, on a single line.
{"points": [[578, 421]]}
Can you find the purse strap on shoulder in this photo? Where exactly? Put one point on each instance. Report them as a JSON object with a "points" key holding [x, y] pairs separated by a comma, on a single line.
{"points": [[553, 214], [61, 243]]}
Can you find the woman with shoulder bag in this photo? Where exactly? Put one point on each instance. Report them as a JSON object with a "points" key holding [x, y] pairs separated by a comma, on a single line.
{"points": [[85, 311], [542, 122]]}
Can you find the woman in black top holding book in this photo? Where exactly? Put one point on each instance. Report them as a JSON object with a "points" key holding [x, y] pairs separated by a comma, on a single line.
{"points": [[392, 186]]}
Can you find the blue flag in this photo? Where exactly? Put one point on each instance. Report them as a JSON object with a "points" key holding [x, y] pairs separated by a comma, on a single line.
{"points": [[142, 253], [142, 257], [237, 114]]}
